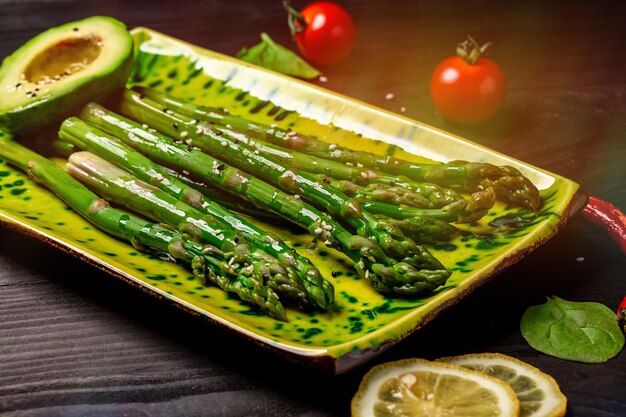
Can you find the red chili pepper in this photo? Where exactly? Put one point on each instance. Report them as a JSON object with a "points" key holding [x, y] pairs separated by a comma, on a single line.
{"points": [[621, 314], [608, 216]]}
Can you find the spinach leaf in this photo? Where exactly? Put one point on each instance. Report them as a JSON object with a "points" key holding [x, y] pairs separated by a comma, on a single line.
{"points": [[577, 331], [270, 55]]}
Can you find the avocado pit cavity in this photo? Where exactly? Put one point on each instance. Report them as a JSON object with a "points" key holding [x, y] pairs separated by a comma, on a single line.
{"points": [[63, 59]]}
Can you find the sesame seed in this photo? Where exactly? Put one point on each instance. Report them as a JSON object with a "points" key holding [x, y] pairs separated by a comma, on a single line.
{"points": [[296, 196], [328, 242], [318, 231], [389, 96], [332, 147], [200, 131], [402, 109], [323, 79], [256, 152], [183, 134], [328, 227], [193, 121], [224, 143]]}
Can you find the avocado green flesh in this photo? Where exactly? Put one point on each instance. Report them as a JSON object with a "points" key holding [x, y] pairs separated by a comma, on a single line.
{"points": [[60, 69]]}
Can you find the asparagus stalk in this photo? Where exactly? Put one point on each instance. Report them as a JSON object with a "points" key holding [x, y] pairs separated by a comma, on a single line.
{"points": [[230, 201], [300, 271], [422, 226], [384, 273], [509, 183], [121, 188], [384, 233], [204, 260], [365, 184]]}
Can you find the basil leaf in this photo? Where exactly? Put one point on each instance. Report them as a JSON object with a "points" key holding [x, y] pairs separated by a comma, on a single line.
{"points": [[583, 332], [270, 55]]}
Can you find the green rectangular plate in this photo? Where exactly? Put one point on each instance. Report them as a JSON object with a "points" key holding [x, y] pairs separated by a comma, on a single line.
{"points": [[362, 323]]}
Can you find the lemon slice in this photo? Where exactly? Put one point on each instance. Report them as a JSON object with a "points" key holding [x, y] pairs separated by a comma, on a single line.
{"points": [[419, 388], [538, 393]]}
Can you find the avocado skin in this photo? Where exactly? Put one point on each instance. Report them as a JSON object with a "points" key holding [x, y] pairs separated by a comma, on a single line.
{"points": [[49, 112]]}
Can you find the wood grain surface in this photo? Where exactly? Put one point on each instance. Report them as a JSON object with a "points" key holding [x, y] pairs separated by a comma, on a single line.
{"points": [[75, 342]]}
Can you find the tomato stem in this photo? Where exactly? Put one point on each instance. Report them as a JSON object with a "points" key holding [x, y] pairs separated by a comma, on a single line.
{"points": [[469, 50], [295, 19]]}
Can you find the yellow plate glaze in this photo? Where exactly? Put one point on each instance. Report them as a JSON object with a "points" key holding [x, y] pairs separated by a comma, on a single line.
{"points": [[363, 322]]}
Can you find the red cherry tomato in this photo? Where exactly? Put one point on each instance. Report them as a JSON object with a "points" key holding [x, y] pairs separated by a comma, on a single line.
{"points": [[468, 88], [324, 32]]}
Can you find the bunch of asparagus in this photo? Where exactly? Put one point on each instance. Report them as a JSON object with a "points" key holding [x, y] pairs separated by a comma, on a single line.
{"points": [[179, 165]]}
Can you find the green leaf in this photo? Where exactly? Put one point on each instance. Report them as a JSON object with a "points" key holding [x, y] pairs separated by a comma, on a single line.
{"points": [[583, 332], [270, 55]]}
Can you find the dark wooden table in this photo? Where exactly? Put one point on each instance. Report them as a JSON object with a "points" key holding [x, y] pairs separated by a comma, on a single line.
{"points": [[75, 342]]}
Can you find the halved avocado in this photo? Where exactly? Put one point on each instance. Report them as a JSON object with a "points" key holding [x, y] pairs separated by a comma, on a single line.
{"points": [[58, 70]]}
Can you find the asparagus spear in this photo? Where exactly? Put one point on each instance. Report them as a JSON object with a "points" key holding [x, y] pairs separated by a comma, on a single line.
{"points": [[365, 184], [230, 201], [63, 148], [121, 188], [509, 183], [205, 260], [384, 273], [300, 271], [423, 226], [384, 233]]}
